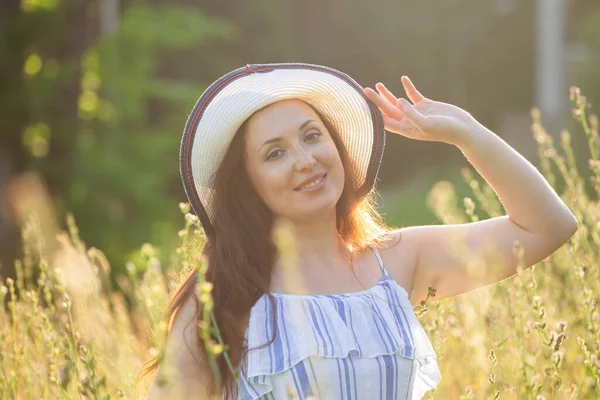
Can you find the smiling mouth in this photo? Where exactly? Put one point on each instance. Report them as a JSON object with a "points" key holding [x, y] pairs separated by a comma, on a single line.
{"points": [[312, 184]]}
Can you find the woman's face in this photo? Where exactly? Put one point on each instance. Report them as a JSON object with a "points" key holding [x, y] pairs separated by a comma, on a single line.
{"points": [[286, 145]]}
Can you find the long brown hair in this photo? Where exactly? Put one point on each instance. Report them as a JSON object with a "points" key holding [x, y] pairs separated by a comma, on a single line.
{"points": [[241, 252]]}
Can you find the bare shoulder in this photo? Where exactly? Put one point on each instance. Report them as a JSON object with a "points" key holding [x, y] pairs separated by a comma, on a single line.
{"points": [[185, 319], [184, 370], [399, 253]]}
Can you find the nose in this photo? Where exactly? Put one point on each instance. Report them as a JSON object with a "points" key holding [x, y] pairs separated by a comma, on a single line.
{"points": [[304, 160]]}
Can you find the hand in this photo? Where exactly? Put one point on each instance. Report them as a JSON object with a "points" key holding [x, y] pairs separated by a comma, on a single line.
{"points": [[427, 119]]}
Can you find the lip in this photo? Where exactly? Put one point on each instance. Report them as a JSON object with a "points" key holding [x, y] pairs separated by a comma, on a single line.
{"points": [[309, 180]]}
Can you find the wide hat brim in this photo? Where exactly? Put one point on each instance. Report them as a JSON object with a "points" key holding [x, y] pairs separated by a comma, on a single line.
{"points": [[230, 100]]}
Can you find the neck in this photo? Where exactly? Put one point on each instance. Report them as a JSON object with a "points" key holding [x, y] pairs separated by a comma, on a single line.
{"points": [[310, 246]]}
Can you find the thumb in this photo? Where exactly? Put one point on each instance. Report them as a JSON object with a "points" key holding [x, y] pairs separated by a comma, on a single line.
{"points": [[414, 116]]}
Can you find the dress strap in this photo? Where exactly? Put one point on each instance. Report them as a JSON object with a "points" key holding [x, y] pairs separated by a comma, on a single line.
{"points": [[380, 261]]}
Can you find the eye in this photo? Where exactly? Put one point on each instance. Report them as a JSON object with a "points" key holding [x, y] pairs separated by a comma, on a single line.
{"points": [[312, 135], [274, 155]]}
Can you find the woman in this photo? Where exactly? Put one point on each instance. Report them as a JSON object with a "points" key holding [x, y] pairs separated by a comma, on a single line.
{"points": [[301, 144]]}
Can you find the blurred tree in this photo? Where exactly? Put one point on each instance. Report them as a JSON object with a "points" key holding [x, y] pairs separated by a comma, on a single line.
{"points": [[585, 31], [132, 116], [41, 43], [99, 117]]}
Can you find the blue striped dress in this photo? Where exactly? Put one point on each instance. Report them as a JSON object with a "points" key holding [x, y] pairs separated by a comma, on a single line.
{"points": [[354, 346]]}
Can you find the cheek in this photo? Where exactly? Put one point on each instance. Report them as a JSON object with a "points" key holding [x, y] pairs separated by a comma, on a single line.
{"points": [[338, 173], [341, 175], [271, 181], [334, 163]]}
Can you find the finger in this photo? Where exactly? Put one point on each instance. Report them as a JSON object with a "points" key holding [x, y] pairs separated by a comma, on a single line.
{"points": [[386, 94], [387, 108], [411, 90], [403, 127], [423, 122]]}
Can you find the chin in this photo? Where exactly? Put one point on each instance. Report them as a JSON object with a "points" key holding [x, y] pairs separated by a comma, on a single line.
{"points": [[316, 208]]}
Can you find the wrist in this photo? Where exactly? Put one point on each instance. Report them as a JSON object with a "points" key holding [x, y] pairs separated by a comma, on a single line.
{"points": [[473, 134]]}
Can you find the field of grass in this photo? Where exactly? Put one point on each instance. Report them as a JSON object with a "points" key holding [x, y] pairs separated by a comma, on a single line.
{"points": [[68, 331]]}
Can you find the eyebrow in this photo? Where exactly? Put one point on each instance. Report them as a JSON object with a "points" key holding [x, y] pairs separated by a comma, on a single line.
{"points": [[279, 138]]}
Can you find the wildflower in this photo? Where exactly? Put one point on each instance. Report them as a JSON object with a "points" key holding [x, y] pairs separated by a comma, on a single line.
{"points": [[537, 301], [206, 287], [184, 207], [147, 251], [204, 298], [557, 357], [191, 218], [130, 267], [217, 348], [559, 341], [154, 265], [492, 357], [534, 380]]}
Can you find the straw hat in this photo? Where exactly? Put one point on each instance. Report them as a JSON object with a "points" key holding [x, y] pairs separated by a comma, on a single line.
{"points": [[231, 99]]}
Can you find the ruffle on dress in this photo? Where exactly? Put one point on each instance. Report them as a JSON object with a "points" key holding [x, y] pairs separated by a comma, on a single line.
{"points": [[376, 322]]}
